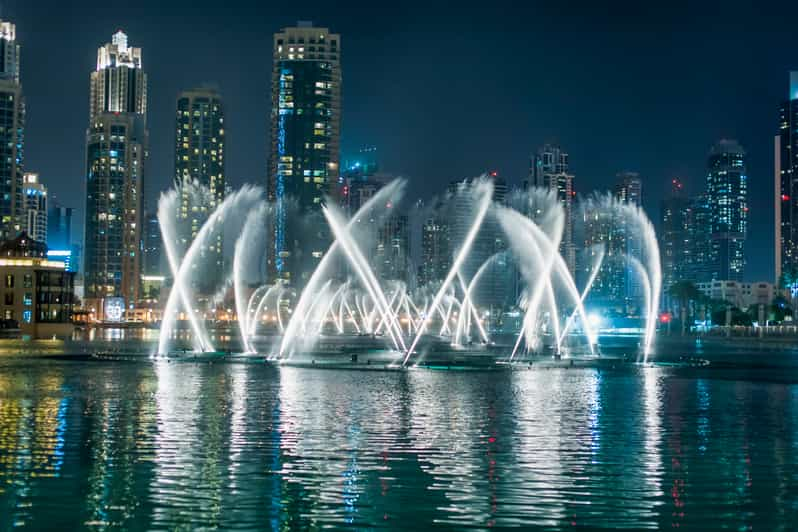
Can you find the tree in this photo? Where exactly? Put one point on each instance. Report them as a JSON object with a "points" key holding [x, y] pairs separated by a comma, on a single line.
{"points": [[779, 309], [684, 292]]}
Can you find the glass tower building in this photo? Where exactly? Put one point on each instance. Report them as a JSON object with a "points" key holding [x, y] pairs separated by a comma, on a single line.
{"points": [[199, 159], [727, 198], [116, 151], [305, 145], [786, 200], [12, 134]]}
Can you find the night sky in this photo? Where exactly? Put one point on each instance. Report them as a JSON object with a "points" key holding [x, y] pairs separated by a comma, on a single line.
{"points": [[443, 92]]}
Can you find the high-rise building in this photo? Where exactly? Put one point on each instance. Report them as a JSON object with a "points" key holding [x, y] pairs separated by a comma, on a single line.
{"points": [[549, 169], [629, 188], [616, 288], [495, 289], [116, 142], [59, 226], [199, 158], [674, 216], [392, 255], [786, 187], [436, 249], [12, 134], [305, 144], [152, 261], [698, 262], [727, 198], [60, 242], [34, 196]]}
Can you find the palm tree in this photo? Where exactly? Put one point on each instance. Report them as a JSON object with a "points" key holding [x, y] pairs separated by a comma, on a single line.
{"points": [[684, 292]]}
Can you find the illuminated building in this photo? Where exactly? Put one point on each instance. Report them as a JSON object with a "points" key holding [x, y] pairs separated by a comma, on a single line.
{"points": [[727, 198], [37, 291], [549, 169], [786, 189], [436, 249], [496, 288], [698, 262], [616, 287], [674, 216], [12, 133], [152, 262], [199, 158], [35, 207], [305, 142], [116, 151]]}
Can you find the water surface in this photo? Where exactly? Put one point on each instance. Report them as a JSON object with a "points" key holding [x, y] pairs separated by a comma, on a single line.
{"points": [[87, 444]]}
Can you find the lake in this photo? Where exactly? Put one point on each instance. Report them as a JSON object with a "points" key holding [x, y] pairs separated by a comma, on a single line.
{"points": [[157, 445]]}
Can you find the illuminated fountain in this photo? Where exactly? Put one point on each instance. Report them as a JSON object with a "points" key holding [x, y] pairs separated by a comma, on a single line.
{"points": [[346, 299]]}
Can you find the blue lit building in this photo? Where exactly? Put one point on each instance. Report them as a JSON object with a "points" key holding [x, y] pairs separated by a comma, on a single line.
{"points": [[727, 200], [305, 144]]}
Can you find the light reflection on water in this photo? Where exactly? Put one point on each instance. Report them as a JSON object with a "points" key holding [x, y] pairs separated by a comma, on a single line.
{"points": [[140, 445]]}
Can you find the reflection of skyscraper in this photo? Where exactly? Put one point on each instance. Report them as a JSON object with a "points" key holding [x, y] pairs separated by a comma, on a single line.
{"points": [[116, 155], [727, 197], [34, 196], [305, 142], [12, 133], [199, 158], [549, 169]]}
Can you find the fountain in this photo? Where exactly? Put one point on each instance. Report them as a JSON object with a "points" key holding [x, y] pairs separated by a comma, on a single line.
{"points": [[345, 298]]}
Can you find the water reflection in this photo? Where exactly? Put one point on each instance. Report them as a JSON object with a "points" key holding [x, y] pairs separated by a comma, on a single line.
{"points": [[134, 445]]}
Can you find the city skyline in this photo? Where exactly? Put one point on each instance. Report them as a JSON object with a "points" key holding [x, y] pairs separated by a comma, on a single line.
{"points": [[672, 145]]}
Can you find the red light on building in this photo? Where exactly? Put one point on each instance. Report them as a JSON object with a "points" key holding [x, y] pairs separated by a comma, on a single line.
{"points": [[785, 197], [494, 173], [665, 317]]}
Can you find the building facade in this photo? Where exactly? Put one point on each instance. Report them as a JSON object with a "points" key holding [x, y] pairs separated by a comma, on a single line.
{"points": [[37, 292], [727, 199], [34, 196], [116, 148], [786, 189], [12, 134], [200, 159], [305, 127], [549, 169], [674, 216]]}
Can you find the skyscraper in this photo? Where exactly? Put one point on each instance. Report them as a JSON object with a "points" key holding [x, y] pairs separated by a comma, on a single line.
{"points": [[12, 133], [727, 198], [116, 151], [152, 247], [305, 143], [35, 207], [616, 287], [199, 158], [698, 262], [674, 216], [495, 289], [549, 169], [436, 249], [786, 200], [60, 241]]}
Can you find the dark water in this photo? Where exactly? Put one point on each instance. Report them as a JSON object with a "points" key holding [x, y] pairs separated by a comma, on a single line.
{"points": [[186, 446]]}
